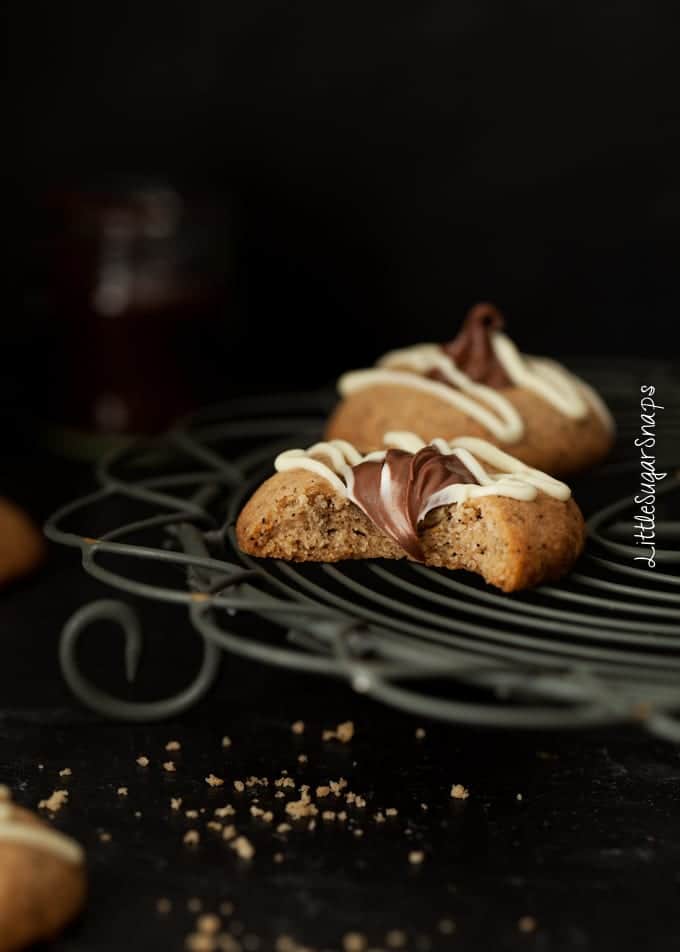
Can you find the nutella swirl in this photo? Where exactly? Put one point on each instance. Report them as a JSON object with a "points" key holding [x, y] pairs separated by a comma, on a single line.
{"points": [[393, 491], [397, 487], [472, 349]]}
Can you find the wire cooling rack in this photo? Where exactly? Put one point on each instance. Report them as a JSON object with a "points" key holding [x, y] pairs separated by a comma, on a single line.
{"points": [[602, 646]]}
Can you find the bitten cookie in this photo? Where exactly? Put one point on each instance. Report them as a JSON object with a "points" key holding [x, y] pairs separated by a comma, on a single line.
{"points": [[21, 545], [478, 384], [42, 878], [462, 504]]}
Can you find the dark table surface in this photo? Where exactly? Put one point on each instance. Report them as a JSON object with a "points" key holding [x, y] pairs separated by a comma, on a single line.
{"points": [[566, 842]]}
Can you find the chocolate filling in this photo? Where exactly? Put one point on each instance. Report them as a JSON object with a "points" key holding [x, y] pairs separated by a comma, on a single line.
{"points": [[471, 350], [407, 481]]}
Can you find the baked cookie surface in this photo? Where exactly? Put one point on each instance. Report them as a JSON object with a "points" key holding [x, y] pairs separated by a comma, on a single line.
{"points": [[477, 385], [464, 505], [21, 546], [42, 879]]}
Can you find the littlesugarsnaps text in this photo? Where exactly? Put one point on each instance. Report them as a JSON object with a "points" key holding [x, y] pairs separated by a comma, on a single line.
{"points": [[644, 520]]}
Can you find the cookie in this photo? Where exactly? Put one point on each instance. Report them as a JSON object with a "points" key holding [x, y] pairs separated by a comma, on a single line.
{"points": [[21, 545], [478, 384], [42, 878], [462, 504]]}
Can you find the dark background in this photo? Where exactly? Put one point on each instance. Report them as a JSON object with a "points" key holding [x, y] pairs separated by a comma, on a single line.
{"points": [[385, 165], [373, 169]]}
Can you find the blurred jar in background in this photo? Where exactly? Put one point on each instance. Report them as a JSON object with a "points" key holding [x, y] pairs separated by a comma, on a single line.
{"points": [[138, 294]]}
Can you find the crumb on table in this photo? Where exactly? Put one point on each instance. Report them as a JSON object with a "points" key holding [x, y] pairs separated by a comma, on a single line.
{"points": [[344, 732], [55, 801], [243, 847], [526, 924]]}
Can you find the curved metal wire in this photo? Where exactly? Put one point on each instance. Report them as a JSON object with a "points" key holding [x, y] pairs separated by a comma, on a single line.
{"points": [[603, 646]]}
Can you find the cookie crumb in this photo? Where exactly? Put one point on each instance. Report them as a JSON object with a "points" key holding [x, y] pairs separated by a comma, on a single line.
{"points": [[209, 923], [105, 837], [459, 792], [243, 847], [191, 814], [169, 766], [143, 761], [391, 811], [214, 781], [214, 825], [323, 791], [239, 786], [302, 758], [358, 831], [54, 802], [328, 815], [416, 857], [200, 942], [226, 741], [66, 772], [354, 942], [284, 828], [173, 745], [163, 906], [191, 838], [343, 732], [227, 810], [229, 832], [526, 924], [175, 803], [337, 786], [302, 807], [298, 727], [122, 791]]}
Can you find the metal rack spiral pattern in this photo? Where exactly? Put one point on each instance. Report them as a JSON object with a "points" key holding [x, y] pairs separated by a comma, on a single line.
{"points": [[602, 646]]}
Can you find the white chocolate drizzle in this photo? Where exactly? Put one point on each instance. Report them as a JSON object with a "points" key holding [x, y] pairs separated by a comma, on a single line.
{"points": [[334, 462], [38, 837], [546, 378]]}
